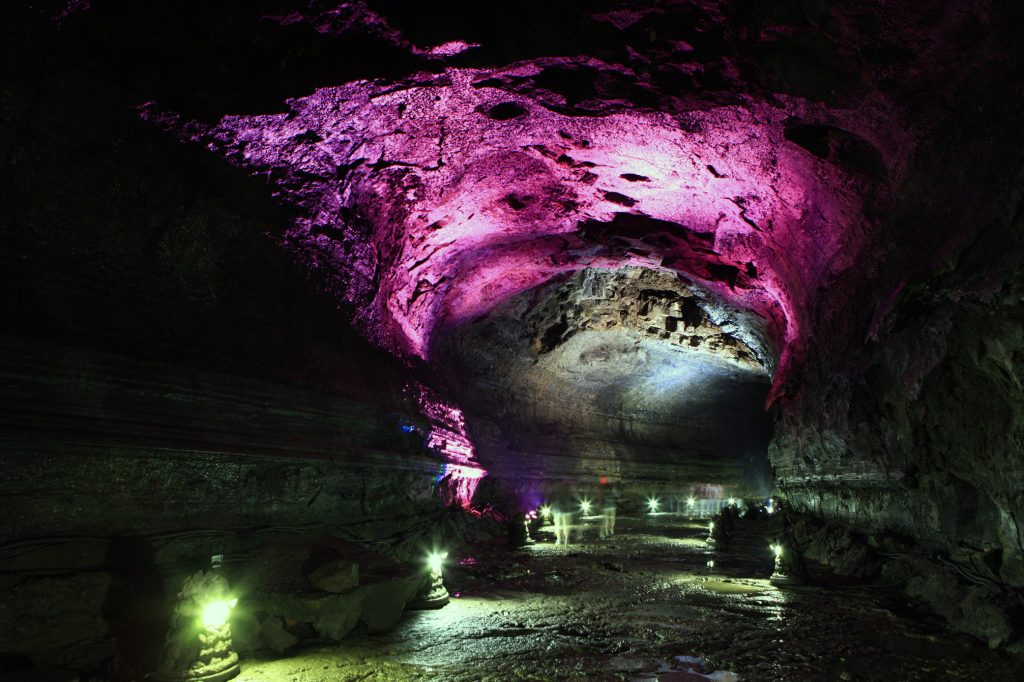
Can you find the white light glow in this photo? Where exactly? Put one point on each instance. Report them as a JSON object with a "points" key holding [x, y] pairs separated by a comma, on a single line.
{"points": [[216, 613], [435, 561]]}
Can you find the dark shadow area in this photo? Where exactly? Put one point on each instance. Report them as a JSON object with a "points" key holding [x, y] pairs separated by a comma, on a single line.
{"points": [[137, 608]]}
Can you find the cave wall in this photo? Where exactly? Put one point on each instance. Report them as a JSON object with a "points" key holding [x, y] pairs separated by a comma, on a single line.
{"points": [[124, 475], [901, 424], [919, 455], [172, 384]]}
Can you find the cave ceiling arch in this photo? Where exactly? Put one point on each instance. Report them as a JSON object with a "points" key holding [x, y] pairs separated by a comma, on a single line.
{"points": [[432, 202], [740, 154]]}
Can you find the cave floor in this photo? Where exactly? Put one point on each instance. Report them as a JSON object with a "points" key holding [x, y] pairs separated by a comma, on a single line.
{"points": [[632, 608]]}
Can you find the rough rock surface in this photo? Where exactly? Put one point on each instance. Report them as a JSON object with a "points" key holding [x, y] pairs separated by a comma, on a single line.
{"points": [[336, 575], [275, 636], [277, 594], [74, 634]]}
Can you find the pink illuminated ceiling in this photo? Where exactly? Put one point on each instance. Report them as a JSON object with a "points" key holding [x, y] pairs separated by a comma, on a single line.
{"points": [[432, 201]]}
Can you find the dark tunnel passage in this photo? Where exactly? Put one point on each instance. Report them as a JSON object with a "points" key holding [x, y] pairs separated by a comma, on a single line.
{"points": [[359, 340], [628, 375]]}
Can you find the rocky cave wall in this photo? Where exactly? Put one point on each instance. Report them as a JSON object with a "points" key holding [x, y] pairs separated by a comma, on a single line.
{"points": [[917, 455], [173, 386]]}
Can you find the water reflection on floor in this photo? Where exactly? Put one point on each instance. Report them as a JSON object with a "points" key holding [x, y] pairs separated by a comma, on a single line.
{"points": [[644, 605]]}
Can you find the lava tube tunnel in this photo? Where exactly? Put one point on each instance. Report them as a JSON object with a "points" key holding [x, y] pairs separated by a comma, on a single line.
{"points": [[370, 340]]}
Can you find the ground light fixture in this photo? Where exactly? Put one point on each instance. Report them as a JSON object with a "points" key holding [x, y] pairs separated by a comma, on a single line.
{"points": [[779, 576], [198, 647], [585, 506], [545, 511], [528, 518], [436, 595], [691, 502], [652, 505]]}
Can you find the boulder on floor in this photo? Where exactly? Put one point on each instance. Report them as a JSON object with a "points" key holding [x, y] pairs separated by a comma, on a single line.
{"points": [[336, 575], [276, 637], [323, 588]]}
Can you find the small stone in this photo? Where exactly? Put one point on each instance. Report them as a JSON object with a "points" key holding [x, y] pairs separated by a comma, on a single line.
{"points": [[276, 637], [385, 601], [339, 575], [246, 631]]}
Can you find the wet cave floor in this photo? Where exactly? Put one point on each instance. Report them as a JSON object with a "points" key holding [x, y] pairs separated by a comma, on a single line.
{"points": [[644, 605]]}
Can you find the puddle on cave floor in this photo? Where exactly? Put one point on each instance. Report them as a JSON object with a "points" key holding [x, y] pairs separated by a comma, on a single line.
{"points": [[642, 606]]}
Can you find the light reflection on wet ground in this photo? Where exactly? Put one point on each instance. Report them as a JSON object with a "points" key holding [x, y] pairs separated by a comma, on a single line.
{"points": [[628, 608]]}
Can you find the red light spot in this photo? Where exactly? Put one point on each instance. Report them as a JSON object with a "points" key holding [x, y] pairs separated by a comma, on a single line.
{"points": [[604, 480]]}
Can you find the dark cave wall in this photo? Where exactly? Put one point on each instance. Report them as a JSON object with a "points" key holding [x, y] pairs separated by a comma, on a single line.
{"points": [[102, 443], [924, 450], [939, 460], [141, 298], [166, 371], [903, 422], [122, 476]]}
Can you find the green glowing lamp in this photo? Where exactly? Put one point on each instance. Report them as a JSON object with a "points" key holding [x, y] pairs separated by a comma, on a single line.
{"points": [[434, 595], [435, 561], [198, 644], [217, 612], [652, 504], [780, 576], [585, 506]]}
